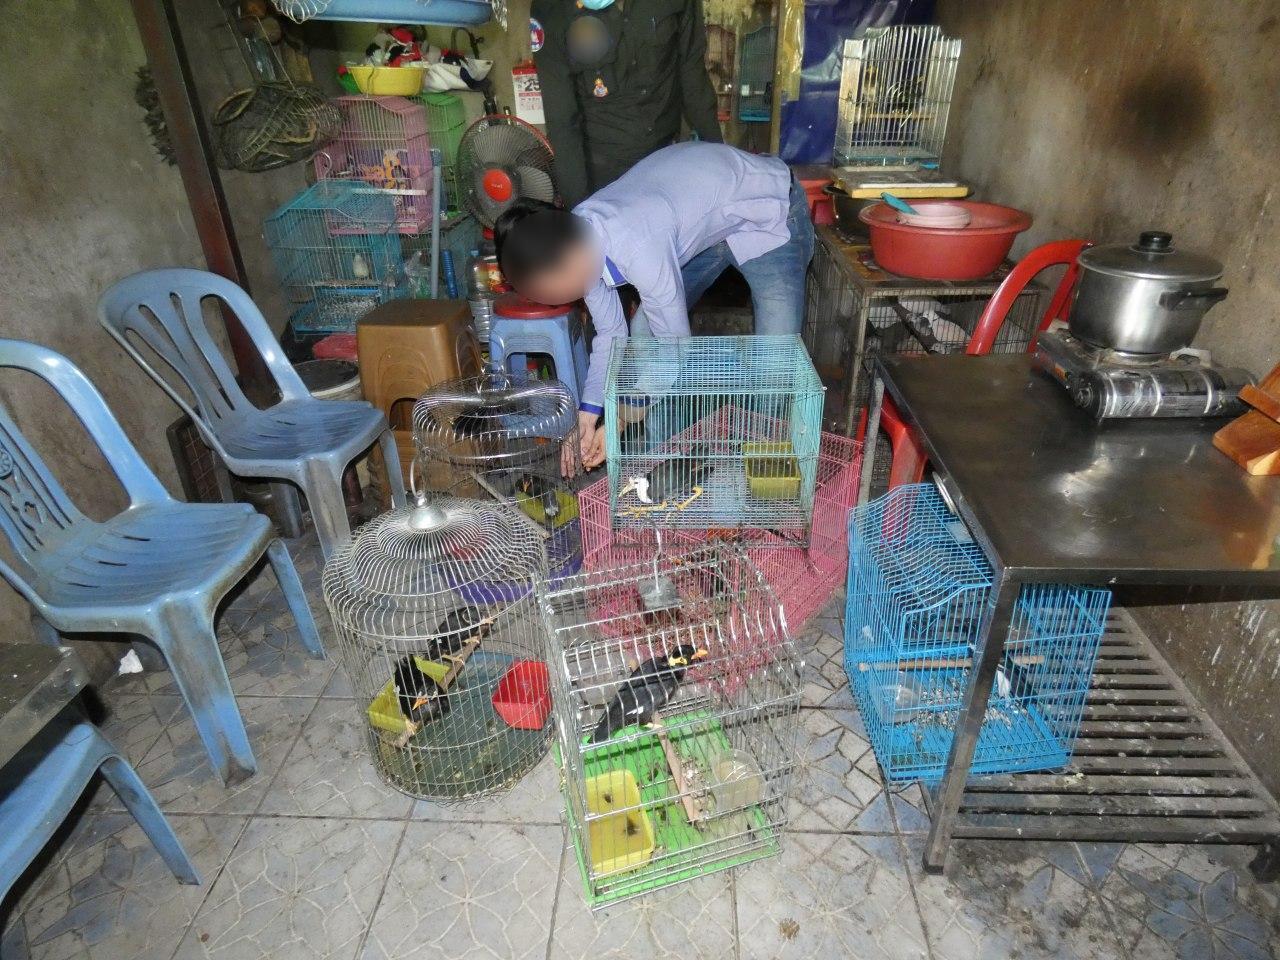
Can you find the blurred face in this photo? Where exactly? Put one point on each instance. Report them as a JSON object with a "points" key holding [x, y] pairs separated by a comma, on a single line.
{"points": [[568, 280]]}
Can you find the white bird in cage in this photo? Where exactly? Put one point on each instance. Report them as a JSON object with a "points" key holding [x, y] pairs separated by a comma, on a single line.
{"points": [[640, 487]]}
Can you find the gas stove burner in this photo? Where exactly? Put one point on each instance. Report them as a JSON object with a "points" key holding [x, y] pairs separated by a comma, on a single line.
{"points": [[1110, 384]]}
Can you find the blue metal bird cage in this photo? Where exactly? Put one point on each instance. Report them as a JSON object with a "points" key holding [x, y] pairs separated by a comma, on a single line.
{"points": [[336, 253], [713, 433], [918, 586]]}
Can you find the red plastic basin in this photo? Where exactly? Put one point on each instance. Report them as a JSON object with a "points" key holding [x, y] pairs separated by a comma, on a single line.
{"points": [[522, 697], [930, 253]]}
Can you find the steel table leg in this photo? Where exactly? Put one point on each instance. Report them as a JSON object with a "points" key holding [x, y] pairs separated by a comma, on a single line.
{"points": [[857, 359], [869, 439], [946, 806]]}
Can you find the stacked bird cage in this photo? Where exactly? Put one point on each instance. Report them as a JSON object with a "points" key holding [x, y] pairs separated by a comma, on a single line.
{"points": [[803, 579], [383, 143], [438, 633], [446, 117], [918, 587], [713, 433], [895, 94], [335, 253], [755, 74], [506, 437], [676, 691]]}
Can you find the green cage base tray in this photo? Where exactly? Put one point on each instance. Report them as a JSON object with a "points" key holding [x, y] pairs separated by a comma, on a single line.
{"points": [[674, 836], [467, 753]]}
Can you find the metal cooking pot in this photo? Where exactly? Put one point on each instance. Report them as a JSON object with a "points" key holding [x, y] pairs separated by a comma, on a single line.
{"points": [[1147, 297], [847, 209]]}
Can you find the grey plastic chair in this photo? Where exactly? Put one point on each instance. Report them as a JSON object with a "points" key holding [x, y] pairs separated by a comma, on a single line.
{"points": [[305, 441], [158, 569]]}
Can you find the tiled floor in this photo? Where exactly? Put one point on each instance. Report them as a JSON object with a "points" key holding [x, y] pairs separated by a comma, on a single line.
{"points": [[315, 858]]}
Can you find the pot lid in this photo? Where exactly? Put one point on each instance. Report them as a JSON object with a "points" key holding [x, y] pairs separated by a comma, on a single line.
{"points": [[1152, 257]]}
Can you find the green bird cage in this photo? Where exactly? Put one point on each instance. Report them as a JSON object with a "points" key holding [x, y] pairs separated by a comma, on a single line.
{"points": [[446, 121]]}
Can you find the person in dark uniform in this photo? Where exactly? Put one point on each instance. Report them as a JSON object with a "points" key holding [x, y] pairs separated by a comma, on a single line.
{"points": [[617, 77]]}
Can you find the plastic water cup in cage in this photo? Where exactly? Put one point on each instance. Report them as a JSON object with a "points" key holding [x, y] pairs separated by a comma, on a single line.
{"points": [[658, 594], [900, 701], [735, 781]]}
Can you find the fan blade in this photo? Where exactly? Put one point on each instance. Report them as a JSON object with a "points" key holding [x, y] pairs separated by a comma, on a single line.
{"points": [[536, 184], [498, 144], [485, 207]]}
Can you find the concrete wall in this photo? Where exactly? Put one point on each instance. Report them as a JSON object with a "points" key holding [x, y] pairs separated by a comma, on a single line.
{"points": [[1104, 118]]}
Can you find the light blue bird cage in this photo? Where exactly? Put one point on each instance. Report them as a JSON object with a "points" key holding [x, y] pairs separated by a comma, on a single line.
{"points": [[755, 75], [918, 586], [336, 253], [713, 433]]}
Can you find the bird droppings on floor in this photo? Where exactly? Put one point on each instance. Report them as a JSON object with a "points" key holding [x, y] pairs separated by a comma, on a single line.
{"points": [[316, 858]]}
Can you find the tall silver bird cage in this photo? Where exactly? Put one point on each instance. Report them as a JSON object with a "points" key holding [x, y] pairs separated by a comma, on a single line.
{"points": [[677, 691], [438, 632], [510, 438], [895, 93], [713, 433]]}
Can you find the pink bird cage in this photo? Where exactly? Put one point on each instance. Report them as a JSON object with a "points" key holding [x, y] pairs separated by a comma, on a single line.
{"points": [[383, 141], [802, 578]]}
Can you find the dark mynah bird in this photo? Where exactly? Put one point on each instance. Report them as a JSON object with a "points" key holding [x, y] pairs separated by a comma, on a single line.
{"points": [[420, 695], [649, 688], [452, 633]]}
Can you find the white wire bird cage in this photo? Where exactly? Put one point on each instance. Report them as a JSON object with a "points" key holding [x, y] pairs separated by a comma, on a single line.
{"points": [[676, 692], [438, 632], [506, 437], [895, 93], [713, 433], [335, 253]]}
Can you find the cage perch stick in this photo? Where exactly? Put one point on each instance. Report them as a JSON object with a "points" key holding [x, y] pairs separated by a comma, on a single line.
{"points": [[677, 773]]}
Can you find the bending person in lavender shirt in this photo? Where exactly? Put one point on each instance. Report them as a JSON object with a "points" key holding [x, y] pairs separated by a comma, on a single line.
{"points": [[646, 229]]}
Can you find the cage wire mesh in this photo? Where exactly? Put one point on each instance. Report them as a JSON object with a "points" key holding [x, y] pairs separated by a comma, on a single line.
{"points": [[755, 74], [676, 689], [918, 586], [896, 85], [446, 120], [803, 579], [906, 317], [439, 635], [272, 124], [459, 235], [713, 432], [383, 142], [506, 436], [335, 254]]}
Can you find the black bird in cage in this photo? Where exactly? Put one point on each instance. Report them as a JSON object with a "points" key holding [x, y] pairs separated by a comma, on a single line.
{"points": [[649, 688], [418, 693], [453, 632]]}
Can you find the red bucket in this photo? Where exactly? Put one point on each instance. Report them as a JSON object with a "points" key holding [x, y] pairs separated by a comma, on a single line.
{"points": [[522, 697], [933, 253]]}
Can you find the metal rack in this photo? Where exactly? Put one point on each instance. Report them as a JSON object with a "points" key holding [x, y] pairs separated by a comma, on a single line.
{"points": [[857, 311]]}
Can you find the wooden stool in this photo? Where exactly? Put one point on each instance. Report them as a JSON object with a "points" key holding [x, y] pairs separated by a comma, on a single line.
{"points": [[406, 346]]}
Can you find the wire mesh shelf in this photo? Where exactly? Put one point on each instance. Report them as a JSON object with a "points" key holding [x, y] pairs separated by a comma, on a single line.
{"points": [[438, 633], [335, 253], [713, 432], [383, 143], [917, 591], [446, 117], [803, 579], [896, 85], [676, 689]]}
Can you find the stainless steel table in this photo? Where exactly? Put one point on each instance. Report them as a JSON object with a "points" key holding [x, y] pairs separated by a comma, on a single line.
{"points": [[36, 682], [1052, 496]]}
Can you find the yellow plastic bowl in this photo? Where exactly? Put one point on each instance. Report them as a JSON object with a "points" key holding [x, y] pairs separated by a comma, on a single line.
{"points": [[773, 472], [388, 81], [619, 831]]}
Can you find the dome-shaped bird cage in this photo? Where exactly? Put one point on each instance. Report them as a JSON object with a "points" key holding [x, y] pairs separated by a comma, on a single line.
{"points": [[512, 439], [438, 633]]}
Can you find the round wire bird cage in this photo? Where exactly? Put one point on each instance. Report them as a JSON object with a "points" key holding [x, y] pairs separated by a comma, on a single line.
{"points": [[438, 633], [512, 439]]}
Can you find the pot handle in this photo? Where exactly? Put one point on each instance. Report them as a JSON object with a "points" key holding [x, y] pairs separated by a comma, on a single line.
{"points": [[1192, 299]]}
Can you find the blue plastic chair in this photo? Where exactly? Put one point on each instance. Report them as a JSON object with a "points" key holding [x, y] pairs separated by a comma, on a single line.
{"points": [[158, 569], [306, 441], [41, 785]]}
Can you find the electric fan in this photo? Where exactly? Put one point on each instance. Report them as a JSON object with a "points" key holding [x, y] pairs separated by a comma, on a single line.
{"points": [[500, 160]]}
